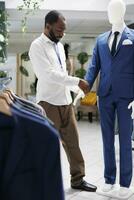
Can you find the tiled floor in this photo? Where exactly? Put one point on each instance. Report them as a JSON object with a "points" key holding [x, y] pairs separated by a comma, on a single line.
{"points": [[91, 146]]}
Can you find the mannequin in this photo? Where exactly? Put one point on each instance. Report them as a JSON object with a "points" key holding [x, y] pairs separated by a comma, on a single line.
{"points": [[116, 12], [116, 95]]}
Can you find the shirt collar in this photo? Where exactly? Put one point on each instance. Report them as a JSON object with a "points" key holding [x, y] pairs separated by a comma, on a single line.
{"points": [[46, 39], [120, 29]]}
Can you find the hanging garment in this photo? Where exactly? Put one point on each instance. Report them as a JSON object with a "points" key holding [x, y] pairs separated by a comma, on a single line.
{"points": [[30, 157]]}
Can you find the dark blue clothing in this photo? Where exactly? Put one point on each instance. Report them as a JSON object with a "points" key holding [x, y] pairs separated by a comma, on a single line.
{"points": [[35, 117], [116, 72], [5, 139], [32, 168], [107, 107], [115, 91]]}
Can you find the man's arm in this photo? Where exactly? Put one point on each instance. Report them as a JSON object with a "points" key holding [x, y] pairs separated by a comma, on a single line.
{"points": [[42, 68]]}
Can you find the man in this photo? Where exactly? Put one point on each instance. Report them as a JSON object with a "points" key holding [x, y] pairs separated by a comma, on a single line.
{"points": [[53, 94]]}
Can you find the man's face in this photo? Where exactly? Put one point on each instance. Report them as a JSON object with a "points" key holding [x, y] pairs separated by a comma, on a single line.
{"points": [[56, 30]]}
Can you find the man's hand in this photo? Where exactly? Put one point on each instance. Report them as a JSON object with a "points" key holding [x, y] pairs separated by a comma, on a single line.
{"points": [[83, 85], [131, 105]]}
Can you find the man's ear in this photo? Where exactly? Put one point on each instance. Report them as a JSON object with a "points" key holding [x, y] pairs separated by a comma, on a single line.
{"points": [[48, 26]]}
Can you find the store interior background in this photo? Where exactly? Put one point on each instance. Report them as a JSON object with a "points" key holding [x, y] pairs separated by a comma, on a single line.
{"points": [[85, 21]]}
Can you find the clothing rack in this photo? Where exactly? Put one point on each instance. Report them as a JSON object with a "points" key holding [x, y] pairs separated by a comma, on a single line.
{"points": [[29, 150], [3, 86]]}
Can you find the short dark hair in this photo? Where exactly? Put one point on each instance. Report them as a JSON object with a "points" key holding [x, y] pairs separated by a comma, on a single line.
{"points": [[52, 17]]}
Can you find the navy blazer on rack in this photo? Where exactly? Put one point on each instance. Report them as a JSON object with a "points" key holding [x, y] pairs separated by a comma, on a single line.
{"points": [[31, 168]]}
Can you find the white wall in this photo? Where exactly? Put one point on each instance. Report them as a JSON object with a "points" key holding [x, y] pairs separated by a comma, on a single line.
{"points": [[26, 81], [76, 4], [98, 5], [65, 5], [129, 1]]}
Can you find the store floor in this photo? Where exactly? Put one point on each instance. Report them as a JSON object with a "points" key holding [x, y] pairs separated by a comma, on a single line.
{"points": [[91, 146]]}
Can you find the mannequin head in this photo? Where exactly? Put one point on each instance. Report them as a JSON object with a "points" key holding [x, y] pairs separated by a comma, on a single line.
{"points": [[116, 11]]}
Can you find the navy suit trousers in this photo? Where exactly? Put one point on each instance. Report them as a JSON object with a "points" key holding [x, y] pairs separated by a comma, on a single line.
{"points": [[108, 106]]}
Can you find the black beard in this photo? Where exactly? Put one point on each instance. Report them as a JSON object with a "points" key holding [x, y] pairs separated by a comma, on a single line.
{"points": [[52, 37]]}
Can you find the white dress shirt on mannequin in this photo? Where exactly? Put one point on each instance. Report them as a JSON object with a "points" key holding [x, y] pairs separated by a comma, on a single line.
{"points": [[120, 29]]}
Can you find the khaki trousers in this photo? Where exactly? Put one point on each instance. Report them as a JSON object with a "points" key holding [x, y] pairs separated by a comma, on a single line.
{"points": [[64, 120]]}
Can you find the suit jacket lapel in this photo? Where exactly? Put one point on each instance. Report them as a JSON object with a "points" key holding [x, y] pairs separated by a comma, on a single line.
{"points": [[17, 147], [123, 37], [107, 43]]}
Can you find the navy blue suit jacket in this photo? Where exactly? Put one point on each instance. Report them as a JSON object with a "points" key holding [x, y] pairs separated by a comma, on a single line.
{"points": [[117, 71], [32, 168]]}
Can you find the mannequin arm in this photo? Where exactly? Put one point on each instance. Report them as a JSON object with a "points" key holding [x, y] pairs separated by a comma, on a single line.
{"points": [[131, 105]]}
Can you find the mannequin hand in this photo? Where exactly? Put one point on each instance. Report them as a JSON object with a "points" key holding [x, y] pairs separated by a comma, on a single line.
{"points": [[83, 85], [131, 105], [79, 95]]}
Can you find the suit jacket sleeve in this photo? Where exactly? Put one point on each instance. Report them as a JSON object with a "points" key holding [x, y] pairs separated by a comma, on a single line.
{"points": [[94, 67]]}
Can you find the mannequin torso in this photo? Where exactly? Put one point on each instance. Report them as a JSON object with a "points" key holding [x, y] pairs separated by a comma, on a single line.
{"points": [[116, 12]]}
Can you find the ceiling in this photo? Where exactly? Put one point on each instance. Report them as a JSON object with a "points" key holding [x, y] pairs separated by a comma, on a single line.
{"points": [[82, 26]]}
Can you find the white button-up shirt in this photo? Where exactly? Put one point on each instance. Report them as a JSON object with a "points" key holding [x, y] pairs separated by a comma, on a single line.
{"points": [[54, 84], [111, 38]]}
